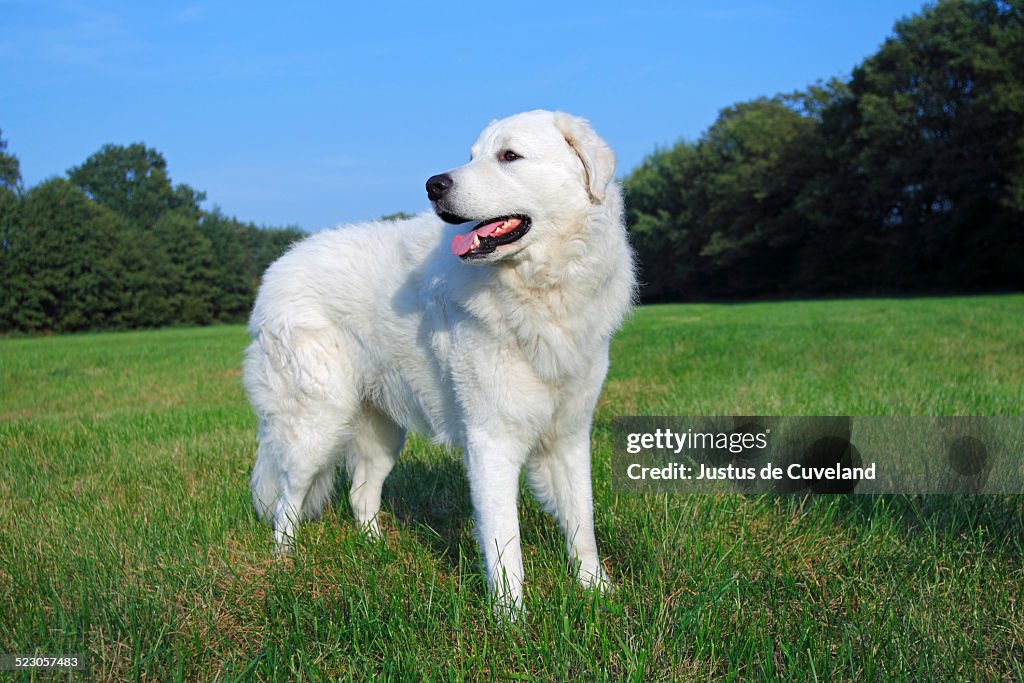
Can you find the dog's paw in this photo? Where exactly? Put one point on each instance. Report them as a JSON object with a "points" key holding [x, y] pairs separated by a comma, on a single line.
{"points": [[507, 609], [598, 580], [370, 528]]}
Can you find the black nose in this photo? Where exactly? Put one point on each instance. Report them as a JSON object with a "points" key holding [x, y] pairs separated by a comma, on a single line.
{"points": [[438, 186]]}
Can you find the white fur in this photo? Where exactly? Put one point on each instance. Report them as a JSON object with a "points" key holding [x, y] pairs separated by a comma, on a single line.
{"points": [[362, 332]]}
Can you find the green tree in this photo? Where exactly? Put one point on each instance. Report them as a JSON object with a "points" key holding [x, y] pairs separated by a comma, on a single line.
{"points": [[663, 201], [10, 228], [182, 265], [241, 251], [133, 182], [269, 244], [931, 138], [235, 280], [910, 177], [118, 245], [10, 170], [756, 158], [71, 264], [719, 217]]}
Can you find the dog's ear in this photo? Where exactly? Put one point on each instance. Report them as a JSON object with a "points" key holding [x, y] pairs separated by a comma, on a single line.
{"points": [[597, 157]]}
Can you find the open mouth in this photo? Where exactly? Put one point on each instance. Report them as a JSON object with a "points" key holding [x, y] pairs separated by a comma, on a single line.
{"points": [[488, 235]]}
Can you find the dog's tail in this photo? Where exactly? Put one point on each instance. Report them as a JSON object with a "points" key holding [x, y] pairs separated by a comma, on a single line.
{"points": [[263, 483]]}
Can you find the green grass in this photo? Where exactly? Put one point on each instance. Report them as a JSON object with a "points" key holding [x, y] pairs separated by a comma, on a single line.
{"points": [[126, 532]]}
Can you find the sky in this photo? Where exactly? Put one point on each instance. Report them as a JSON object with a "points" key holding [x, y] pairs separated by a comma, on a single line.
{"points": [[314, 114]]}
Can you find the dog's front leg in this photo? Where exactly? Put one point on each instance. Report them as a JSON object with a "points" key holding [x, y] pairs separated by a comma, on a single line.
{"points": [[493, 470], [560, 478]]}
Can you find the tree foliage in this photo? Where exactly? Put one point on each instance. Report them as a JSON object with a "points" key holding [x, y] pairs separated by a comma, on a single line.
{"points": [[117, 245], [10, 170], [66, 264], [133, 182], [909, 177]]}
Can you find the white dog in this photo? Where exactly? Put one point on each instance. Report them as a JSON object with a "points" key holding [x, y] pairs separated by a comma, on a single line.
{"points": [[491, 334]]}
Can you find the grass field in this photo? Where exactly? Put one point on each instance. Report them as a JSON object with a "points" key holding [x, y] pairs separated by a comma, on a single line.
{"points": [[126, 533]]}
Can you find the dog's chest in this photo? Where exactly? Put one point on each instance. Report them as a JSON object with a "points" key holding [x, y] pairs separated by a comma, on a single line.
{"points": [[556, 342]]}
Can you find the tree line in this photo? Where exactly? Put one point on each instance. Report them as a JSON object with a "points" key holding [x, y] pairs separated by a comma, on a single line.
{"points": [[907, 177], [117, 245]]}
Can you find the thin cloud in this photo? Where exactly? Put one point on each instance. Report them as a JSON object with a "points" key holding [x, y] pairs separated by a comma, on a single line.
{"points": [[79, 37]]}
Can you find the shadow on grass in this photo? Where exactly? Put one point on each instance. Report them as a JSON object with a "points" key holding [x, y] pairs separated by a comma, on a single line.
{"points": [[999, 519], [430, 501]]}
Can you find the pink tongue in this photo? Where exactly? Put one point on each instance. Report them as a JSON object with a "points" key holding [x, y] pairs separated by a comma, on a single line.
{"points": [[462, 244], [486, 230], [465, 243]]}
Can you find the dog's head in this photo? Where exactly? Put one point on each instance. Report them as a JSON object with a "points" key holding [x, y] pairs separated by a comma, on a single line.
{"points": [[530, 177]]}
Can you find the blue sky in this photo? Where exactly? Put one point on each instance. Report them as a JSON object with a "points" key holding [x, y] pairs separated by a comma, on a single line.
{"points": [[312, 114]]}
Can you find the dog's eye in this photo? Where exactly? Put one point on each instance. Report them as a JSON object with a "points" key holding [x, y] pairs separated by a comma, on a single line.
{"points": [[509, 155]]}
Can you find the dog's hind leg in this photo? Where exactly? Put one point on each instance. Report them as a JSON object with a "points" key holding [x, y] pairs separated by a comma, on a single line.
{"points": [[308, 463], [370, 455], [297, 381]]}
